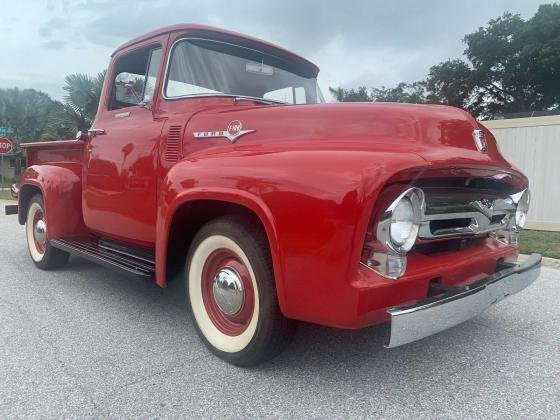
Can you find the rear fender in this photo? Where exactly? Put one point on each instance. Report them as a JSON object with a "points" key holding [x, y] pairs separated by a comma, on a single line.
{"points": [[61, 188]]}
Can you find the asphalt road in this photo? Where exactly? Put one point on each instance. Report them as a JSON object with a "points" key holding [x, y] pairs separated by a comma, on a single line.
{"points": [[85, 342]]}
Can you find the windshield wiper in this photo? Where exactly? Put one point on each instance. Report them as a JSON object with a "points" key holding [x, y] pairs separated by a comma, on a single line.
{"points": [[261, 100]]}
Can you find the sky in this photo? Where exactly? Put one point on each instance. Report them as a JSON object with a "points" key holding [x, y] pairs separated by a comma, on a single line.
{"points": [[355, 43]]}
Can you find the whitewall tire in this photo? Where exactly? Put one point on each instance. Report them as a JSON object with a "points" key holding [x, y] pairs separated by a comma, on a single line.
{"points": [[232, 294], [42, 253]]}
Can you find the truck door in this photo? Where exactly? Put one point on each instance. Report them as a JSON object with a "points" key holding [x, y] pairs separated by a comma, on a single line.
{"points": [[119, 191]]}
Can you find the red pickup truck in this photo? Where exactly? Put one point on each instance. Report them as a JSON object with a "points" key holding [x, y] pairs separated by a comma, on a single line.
{"points": [[215, 152]]}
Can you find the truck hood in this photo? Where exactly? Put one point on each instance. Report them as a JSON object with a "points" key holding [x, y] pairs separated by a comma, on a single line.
{"points": [[441, 135]]}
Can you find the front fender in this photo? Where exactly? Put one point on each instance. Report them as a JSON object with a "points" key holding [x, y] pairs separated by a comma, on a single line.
{"points": [[172, 199], [315, 217], [61, 188]]}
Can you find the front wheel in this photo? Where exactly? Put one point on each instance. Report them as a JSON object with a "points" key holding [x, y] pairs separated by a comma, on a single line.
{"points": [[43, 254], [232, 294]]}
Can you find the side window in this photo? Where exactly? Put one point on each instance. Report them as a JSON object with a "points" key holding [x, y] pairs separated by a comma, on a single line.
{"points": [[153, 67], [283, 95], [288, 94], [135, 78]]}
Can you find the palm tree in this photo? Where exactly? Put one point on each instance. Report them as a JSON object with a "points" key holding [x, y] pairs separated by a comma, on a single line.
{"points": [[80, 105], [338, 93]]}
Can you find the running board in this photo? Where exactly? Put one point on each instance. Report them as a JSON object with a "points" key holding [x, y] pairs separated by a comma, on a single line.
{"points": [[137, 264]]}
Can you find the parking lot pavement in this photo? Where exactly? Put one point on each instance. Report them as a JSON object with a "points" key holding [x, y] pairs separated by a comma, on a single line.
{"points": [[86, 342]]}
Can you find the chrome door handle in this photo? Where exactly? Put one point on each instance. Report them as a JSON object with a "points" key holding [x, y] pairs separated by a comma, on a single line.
{"points": [[96, 132]]}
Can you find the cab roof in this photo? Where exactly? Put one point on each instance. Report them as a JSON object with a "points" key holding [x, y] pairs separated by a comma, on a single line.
{"points": [[221, 34]]}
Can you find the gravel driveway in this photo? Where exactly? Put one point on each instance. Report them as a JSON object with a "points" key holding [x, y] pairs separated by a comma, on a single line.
{"points": [[86, 342]]}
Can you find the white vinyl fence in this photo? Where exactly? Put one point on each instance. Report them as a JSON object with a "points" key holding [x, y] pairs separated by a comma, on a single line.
{"points": [[533, 145]]}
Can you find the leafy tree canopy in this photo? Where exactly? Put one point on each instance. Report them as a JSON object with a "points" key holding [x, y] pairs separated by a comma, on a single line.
{"points": [[27, 111], [511, 65], [81, 99], [35, 116]]}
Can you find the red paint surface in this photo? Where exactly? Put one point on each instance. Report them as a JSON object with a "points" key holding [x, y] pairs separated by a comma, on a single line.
{"points": [[311, 173]]}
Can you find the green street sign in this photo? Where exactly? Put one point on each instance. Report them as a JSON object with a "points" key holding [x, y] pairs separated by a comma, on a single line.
{"points": [[4, 131]]}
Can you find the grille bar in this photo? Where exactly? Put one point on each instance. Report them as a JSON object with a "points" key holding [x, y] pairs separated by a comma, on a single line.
{"points": [[477, 217]]}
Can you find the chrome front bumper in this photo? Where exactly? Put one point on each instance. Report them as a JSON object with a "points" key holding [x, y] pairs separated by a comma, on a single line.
{"points": [[455, 306]]}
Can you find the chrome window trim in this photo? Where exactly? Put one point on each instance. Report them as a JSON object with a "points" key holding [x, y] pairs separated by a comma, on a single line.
{"points": [[207, 95]]}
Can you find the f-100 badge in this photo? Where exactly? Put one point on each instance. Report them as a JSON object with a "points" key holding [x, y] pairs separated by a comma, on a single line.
{"points": [[233, 132]]}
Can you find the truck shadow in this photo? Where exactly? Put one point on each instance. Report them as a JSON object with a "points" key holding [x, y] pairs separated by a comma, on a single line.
{"points": [[315, 350]]}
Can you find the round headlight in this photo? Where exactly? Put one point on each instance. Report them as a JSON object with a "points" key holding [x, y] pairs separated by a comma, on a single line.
{"points": [[402, 222], [522, 209], [405, 220]]}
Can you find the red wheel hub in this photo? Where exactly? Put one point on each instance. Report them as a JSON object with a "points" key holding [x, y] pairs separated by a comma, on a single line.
{"points": [[227, 292]]}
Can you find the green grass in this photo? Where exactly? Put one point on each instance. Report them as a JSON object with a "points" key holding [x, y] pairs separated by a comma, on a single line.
{"points": [[545, 243]]}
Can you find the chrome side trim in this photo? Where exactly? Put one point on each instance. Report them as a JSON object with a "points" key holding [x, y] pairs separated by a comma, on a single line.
{"points": [[434, 315]]}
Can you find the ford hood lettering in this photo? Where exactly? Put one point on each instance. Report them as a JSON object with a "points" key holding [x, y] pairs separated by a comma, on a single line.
{"points": [[232, 133]]}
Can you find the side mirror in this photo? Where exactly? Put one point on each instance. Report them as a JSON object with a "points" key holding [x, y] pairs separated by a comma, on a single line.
{"points": [[125, 79], [130, 86]]}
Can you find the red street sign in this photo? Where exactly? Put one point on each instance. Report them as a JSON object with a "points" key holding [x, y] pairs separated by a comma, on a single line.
{"points": [[5, 146]]}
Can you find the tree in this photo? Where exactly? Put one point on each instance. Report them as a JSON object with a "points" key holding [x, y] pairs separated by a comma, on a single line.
{"points": [[35, 116], [414, 93], [27, 111], [403, 92], [360, 94], [516, 63], [80, 103], [452, 83], [512, 65]]}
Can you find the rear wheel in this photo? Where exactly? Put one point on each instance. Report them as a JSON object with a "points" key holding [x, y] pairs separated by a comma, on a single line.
{"points": [[42, 253], [232, 294]]}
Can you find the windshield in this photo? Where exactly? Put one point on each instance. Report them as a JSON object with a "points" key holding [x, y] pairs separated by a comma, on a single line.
{"points": [[205, 67]]}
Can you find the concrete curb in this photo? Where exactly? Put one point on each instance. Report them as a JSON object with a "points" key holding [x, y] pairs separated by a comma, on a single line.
{"points": [[546, 261]]}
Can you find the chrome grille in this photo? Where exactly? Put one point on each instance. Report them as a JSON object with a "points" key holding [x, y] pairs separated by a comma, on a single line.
{"points": [[462, 217]]}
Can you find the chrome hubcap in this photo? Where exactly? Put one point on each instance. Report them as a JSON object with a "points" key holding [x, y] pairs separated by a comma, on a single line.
{"points": [[228, 291], [40, 232]]}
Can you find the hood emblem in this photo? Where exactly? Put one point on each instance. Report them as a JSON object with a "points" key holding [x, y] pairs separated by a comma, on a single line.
{"points": [[480, 141], [233, 132], [484, 206]]}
